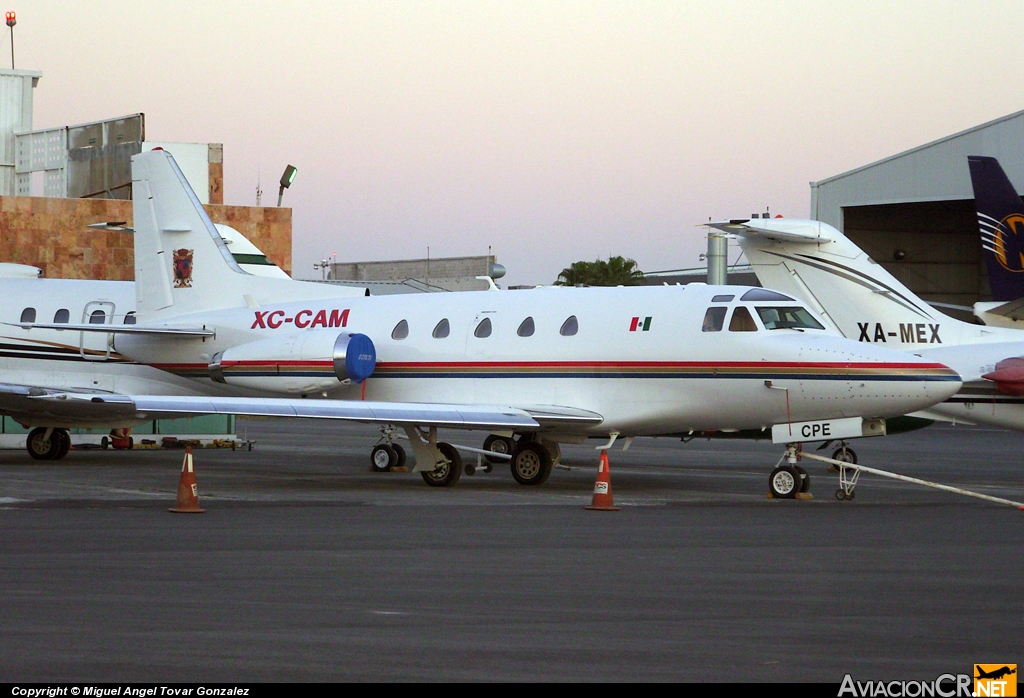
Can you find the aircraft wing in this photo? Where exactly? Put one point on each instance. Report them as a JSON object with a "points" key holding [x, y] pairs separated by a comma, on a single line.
{"points": [[164, 331], [495, 417], [784, 229]]}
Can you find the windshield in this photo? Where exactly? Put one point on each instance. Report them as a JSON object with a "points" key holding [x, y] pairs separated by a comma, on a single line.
{"points": [[783, 317]]}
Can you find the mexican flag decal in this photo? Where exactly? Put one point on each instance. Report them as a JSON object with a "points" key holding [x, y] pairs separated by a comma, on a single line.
{"points": [[640, 323]]}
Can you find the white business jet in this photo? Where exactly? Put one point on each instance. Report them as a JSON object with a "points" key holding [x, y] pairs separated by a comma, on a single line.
{"points": [[817, 263], [546, 366]]}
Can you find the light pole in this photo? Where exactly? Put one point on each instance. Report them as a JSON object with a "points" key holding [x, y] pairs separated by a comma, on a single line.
{"points": [[286, 181], [12, 19]]}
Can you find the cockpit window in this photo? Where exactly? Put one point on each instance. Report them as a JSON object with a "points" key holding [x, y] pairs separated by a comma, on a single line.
{"points": [[722, 299], [742, 321], [763, 294], [714, 320], [797, 318]]}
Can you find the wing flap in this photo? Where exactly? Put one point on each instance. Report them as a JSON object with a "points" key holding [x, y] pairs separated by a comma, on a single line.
{"points": [[440, 415]]}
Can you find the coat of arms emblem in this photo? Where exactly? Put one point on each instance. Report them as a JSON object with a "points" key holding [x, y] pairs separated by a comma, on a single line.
{"points": [[183, 268]]}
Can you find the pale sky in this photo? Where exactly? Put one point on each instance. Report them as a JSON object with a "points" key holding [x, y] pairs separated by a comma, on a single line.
{"points": [[550, 131]]}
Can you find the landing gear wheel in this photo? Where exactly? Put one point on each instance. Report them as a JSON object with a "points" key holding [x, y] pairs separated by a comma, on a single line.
{"points": [[65, 442], [400, 452], [841, 495], [805, 479], [845, 454], [382, 458], [784, 482], [104, 443], [447, 474], [498, 444], [531, 463], [40, 447]]}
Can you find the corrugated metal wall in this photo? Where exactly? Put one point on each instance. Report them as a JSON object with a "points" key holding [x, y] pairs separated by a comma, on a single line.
{"points": [[936, 171]]}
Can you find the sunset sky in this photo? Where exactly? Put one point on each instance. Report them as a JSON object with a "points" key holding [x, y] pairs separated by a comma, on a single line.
{"points": [[550, 131]]}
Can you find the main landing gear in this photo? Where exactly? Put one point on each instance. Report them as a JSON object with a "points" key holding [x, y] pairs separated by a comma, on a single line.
{"points": [[439, 464], [48, 443]]}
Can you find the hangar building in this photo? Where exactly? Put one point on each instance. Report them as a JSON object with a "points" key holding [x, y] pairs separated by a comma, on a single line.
{"points": [[914, 212]]}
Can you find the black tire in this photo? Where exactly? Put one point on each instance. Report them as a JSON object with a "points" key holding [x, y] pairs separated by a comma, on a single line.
{"points": [[400, 452], [104, 443], [131, 443], [449, 473], [805, 480], [382, 457], [498, 444], [840, 495], [784, 482], [531, 463], [65, 443], [40, 447], [845, 454]]}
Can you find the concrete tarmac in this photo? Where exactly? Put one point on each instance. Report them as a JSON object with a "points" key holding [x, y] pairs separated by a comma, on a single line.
{"points": [[308, 567]]}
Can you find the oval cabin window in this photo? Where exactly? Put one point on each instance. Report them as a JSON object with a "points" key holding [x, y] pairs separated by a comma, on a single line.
{"points": [[483, 329], [98, 317], [62, 315], [570, 327], [28, 315], [401, 330], [442, 330], [130, 318], [526, 328]]}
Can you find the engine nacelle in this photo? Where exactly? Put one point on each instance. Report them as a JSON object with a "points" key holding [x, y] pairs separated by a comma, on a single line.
{"points": [[306, 362]]}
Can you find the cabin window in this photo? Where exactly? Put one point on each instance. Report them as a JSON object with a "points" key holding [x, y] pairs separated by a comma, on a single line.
{"points": [[130, 318], [526, 328], [442, 330], [742, 321], [28, 315], [62, 315], [401, 330], [98, 317], [763, 294], [714, 320], [570, 327], [797, 318], [722, 299], [483, 329]]}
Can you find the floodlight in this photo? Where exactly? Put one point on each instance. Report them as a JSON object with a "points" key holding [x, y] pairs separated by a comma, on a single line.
{"points": [[286, 181]]}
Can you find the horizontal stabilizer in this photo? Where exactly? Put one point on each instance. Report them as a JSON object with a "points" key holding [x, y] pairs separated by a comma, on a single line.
{"points": [[198, 332], [783, 229], [1012, 309]]}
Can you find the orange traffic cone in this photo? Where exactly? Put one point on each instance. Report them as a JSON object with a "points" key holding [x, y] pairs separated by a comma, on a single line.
{"points": [[603, 487], [188, 493]]}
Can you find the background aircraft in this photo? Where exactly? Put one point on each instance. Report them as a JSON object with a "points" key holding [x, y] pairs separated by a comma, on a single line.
{"points": [[1001, 224], [815, 262]]}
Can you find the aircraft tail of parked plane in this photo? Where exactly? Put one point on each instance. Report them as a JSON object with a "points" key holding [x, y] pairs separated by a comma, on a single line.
{"points": [[814, 261], [1001, 224], [182, 264]]}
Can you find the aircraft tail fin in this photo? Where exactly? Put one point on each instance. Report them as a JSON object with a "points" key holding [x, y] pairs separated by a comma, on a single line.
{"points": [[1001, 223], [182, 264]]}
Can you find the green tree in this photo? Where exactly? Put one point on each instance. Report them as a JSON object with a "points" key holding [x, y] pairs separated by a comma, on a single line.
{"points": [[616, 271]]}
